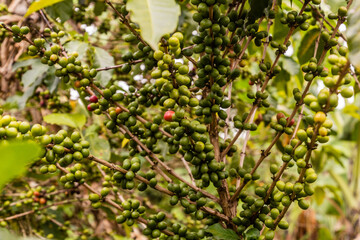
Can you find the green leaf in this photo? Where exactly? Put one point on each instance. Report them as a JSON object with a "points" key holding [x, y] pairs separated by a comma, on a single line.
{"points": [[28, 93], [252, 234], [51, 80], [62, 10], [118, 237], [38, 70], [352, 110], [290, 65], [109, 213], [99, 8], [75, 120], [356, 165], [221, 233], [319, 195], [155, 17], [281, 82], [36, 6], [103, 59], [99, 147], [257, 8], [5, 234], [77, 46], [280, 30], [31, 80], [14, 158], [344, 187], [307, 46], [24, 63], [335, 4], [324, 234], [352, 33]]}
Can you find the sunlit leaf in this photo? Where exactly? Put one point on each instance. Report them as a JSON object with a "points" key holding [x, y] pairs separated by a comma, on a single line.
{"points": [[14, 158], [103, 59], [77, 46], [319, 195], [36, 6], [62, 10], [155, 18], [307, 46], [344, 187], [99, 147], [72, 120]]}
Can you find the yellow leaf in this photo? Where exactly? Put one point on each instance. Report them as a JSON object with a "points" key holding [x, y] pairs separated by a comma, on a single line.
{"points": [[124, 142], [36, 6]]}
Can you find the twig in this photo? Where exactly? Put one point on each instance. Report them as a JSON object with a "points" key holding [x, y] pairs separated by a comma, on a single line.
{"points": [[247, 136], [168, 169], [45, 19], [227, 121], [111, 202], [323, 17], [192, 61], [126, 22], [188, 170], [318, 38], [42, 208], [301, 115], [356, 79], [118, 66], [104, 174], [119, 169], [23, 37]]}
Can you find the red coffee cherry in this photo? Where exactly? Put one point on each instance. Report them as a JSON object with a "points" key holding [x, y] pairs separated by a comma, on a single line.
{"points": [[94, 99], [118, 110], [279, 116], [89, 108], [168, 115], [291, 122], [42, 200]]}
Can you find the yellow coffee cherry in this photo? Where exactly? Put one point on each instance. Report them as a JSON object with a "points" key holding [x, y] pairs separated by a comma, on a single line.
{"points": [[320, 117], [323, 131]]}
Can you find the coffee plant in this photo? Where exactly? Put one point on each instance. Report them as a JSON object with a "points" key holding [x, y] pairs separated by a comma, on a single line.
{"points": [[187, 119]]}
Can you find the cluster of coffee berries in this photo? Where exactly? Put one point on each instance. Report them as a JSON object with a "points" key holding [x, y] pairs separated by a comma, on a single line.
{"points": [[293, 18], [155, 224], [10, 128], [126, 181], [19, 32], [183, 232], [3, 34], [66, 148], [76, 174], [342, 13], [34, 197], [132, 211], [282, 125]]}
